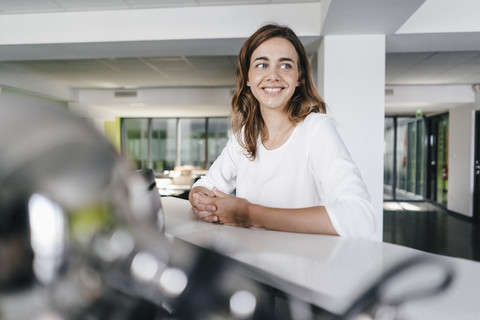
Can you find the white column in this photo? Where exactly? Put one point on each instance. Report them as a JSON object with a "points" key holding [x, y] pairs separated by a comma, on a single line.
{"points": [[351, 79]]}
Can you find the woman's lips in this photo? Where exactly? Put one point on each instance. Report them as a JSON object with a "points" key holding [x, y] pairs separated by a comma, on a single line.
{"points": [[272, 90]]}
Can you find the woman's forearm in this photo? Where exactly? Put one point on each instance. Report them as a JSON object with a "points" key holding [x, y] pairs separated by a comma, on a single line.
{"points": [[235, 211], [304, 220]]}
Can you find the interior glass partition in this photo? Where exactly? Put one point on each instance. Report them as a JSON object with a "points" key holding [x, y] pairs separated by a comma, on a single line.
{"points": [[217, 138], [136, 139], [404, 158], [388, 159], [164, 144], [192, 139]]}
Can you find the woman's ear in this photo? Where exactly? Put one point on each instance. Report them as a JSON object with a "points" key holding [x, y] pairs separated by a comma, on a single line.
{"points": [[299, 81]]}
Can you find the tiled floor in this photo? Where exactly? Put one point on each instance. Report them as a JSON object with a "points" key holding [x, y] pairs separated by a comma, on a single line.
{"points": [[427, 227]]}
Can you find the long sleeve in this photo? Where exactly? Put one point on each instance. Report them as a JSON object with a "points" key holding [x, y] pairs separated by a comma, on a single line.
{"points": [[223, 171], [344, 193]]}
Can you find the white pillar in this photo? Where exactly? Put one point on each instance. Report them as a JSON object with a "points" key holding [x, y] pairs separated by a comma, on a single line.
{"points": [[351, 79]]}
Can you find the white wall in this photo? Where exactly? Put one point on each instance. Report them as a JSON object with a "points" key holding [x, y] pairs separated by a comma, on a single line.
{"points": [[460, 160], [35, 84], [10, 98]]}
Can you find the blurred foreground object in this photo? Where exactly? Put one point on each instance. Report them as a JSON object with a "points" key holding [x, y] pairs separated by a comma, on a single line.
{"points": [[67, 204], [50, 163]]}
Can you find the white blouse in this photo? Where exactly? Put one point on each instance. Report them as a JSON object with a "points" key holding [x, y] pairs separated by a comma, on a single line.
{"points": [[313, 168]]}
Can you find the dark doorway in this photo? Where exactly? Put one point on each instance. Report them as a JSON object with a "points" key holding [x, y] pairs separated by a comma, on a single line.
{"points": [[437, 159], [476, 170]]}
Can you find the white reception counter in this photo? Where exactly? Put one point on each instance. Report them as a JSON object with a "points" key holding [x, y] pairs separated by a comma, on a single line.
{"points": [[332, 270]]}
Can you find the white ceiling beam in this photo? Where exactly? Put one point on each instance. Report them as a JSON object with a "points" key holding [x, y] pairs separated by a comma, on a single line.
{"points": [[128, 49], [433, 93], [154, 102], [209, 22], [408, 99], [158, 96]]}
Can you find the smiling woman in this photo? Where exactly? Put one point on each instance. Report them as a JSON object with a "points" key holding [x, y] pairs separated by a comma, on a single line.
{"points": [[286, 162]]}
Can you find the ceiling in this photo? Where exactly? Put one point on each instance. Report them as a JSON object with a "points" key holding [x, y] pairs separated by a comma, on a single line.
{"points": [[137, 72], [432, 42]]}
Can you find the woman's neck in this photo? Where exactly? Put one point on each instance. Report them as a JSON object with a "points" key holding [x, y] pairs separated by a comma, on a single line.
{"points": [[279, 128]]}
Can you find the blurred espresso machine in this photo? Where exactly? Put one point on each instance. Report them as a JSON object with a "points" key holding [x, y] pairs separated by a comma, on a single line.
{"points": [[82, 236]]}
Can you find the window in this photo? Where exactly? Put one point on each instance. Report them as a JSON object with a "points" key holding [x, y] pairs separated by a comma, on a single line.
{"points": [[192, 142], [217, 138], [164, 143], [136, 142]]}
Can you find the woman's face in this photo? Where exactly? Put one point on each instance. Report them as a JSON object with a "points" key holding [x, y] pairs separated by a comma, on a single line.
{"points": [[273, 74]]}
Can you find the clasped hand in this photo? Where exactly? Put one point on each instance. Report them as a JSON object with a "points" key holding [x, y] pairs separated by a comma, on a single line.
{"points": [[219, 207]]}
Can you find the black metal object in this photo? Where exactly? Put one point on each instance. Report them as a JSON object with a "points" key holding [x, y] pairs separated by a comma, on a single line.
{"points": [[374, 297]]}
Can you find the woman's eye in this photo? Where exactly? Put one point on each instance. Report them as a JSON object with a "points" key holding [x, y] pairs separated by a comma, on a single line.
{"points": [[261, 66], [286, 67]]}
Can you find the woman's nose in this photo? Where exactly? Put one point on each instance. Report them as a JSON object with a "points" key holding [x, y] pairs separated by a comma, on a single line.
{"points": [[272, 74]]}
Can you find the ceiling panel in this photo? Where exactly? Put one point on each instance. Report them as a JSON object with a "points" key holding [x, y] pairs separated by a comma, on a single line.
{"points": [[398, 65], [179, 64], [214, 63], [448, 59]]}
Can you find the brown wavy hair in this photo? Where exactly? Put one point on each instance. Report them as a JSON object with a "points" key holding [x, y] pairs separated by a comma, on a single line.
{"points": [[245, 118]]}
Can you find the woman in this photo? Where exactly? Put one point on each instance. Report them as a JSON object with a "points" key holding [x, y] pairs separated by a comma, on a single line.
{"points": [[286, 162]]}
